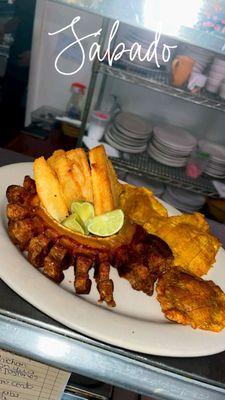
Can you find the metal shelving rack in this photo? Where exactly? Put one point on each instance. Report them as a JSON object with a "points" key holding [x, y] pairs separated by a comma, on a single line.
{"points": [[142, 164], [158, 82]]}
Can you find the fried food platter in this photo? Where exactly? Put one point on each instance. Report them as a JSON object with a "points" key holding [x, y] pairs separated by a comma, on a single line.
{"points": [[136, 323]]}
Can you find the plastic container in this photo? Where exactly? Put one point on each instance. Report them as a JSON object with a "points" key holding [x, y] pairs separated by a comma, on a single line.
{"points": [[75, 104], [197, 164], [45, 117], [98, 124]]}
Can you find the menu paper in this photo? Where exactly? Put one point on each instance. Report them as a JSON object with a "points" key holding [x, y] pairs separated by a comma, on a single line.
{"points": [[220, 187], [25, 379]]}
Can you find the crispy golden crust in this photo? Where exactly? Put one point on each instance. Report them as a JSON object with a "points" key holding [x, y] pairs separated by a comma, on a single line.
{"points": [[105, 198], [189, 300], [55, 155], [190, 240], [116, 186], [140, 205], [49, 190], [81, 172], [70, 188]]}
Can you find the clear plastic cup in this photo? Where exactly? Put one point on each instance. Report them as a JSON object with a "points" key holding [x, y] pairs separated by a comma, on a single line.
{"points": [[98, 124]]}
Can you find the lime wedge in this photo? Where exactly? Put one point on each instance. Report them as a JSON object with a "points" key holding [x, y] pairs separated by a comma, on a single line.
{"points": [[84, 209], [106, 224], [74, 223]]}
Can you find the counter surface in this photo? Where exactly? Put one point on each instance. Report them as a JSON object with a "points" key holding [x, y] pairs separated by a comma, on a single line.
{"points": [[28, 332]]}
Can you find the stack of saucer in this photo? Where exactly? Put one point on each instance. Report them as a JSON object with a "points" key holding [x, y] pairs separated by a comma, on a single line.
{"points": [[129, 133], [156, 187], [183, 200], [216, 164], [171, 145], [216, 75]]}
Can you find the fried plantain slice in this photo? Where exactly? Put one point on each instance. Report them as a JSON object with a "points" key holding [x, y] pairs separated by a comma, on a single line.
{"points": [[189, 300]]}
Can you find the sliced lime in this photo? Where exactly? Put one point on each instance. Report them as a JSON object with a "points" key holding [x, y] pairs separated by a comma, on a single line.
{"points": [[106, 224], [74, 223], [84, 209]]}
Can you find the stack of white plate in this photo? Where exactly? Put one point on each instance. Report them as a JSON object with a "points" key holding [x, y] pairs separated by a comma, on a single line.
{"points": [[129, 133], [216, 164], [183, 199], [171, 145], [157, 188], [216, 75]]}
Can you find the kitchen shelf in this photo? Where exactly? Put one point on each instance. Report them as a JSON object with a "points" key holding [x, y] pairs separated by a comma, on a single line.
{"points": [[143, 164], [159, 82]]}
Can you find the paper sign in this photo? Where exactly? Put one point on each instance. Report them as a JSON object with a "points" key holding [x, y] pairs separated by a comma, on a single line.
{"points": [[24, 379]]}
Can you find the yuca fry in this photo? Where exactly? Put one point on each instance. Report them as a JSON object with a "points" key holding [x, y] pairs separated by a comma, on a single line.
{"points": [[116, 186], [48, 189], [101, 181], [70, 188], [51, 160], [81, 172]]}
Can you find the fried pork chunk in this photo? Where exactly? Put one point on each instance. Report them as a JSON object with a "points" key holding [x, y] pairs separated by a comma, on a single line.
{"points": [[143, 260], [189, 300], [104, 283], [82, 282]]}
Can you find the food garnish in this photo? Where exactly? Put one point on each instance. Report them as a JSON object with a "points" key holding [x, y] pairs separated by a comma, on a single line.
{"points": [[83, 209], [74, 223], [107, 224]]}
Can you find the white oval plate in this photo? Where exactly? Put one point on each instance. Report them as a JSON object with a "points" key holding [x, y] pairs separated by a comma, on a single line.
{"points": [[136, 323]]}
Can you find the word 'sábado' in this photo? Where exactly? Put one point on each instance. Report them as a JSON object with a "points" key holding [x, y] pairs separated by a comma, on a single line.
{"points": [[110, 54]]}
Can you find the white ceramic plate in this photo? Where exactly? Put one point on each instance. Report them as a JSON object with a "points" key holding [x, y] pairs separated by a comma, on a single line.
{"points": [[177, 138], [137, 322], [165, 161], [216, 151], [133, 123], [123, 147]]}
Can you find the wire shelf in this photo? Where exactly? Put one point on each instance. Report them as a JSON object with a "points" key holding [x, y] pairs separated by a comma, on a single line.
{"points": [[159, 82], [143, 164]]}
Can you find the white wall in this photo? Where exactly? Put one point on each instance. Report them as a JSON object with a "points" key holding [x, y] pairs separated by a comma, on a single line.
{"points": [[47, 87]]}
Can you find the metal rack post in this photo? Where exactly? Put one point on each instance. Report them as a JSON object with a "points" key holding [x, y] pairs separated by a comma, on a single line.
{"points": [[94, 75]]}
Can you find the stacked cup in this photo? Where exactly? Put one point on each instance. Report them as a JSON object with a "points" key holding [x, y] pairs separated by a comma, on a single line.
{"points": [[222, 89], [216, 76]]}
